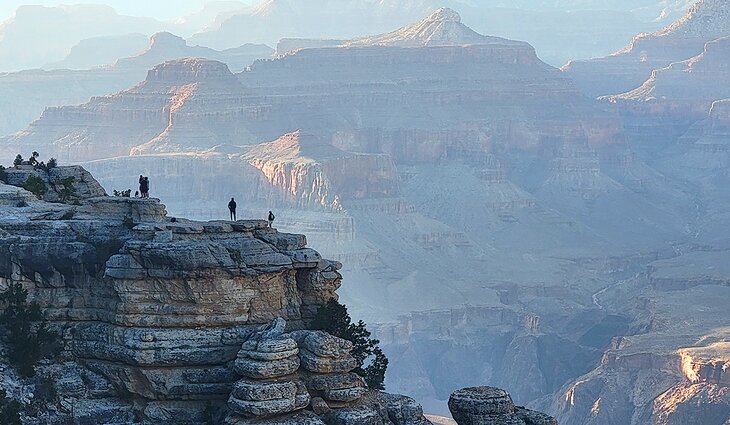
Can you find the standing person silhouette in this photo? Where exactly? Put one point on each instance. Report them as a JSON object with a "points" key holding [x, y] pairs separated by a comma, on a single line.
{"points": [[232, 209], [271, 218], [145, 187], [141, 185]]}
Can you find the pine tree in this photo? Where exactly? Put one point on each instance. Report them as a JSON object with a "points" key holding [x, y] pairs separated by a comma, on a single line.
{"points": [[28, 340], [334, 319]]}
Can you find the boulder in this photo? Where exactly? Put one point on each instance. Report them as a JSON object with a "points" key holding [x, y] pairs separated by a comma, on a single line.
{"points": [[321, 352], [262, 399], [268, 354], [491, 406], [344, 388]]}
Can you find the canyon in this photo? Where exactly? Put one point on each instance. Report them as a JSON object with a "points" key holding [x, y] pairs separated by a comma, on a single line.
{"points": [[491, 216]]}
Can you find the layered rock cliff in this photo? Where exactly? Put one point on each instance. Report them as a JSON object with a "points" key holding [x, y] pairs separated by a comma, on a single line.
{"points": [[27, 93], [458, 97], [170, 321], [629, 68]]}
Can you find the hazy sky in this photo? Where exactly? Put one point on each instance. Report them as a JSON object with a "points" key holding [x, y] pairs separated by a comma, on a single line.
{"points": [[161, 9]]}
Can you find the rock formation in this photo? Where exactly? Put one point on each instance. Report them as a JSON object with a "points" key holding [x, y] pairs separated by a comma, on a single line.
{"points": [[688, 86], [486, 405], [28, 93], [501, 95], [629, 68], [162, 317]]}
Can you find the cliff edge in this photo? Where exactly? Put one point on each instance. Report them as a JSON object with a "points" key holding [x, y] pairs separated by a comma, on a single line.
{"points": [[171, 321]]}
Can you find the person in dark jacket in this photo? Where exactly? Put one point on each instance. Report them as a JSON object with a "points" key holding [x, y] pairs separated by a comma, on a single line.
{"points": [[271, 218], [145, 187], [232, 209], [141, 183]]}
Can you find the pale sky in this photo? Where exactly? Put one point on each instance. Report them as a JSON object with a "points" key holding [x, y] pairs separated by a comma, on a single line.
{"points": [[160, 9]]}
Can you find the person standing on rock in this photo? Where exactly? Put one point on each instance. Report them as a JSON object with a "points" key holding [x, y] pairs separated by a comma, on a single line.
{"points": [[271, 218], [232, 209], [145, 187], [141, 185]]}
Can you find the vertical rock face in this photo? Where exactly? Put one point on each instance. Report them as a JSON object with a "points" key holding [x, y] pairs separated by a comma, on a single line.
{"points": [[627, 69]]}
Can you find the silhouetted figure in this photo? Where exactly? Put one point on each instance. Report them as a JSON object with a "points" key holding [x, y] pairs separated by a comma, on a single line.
{"points": [[136, 194], [271, 218], [141, 183], [232, 209], [144, 187]]}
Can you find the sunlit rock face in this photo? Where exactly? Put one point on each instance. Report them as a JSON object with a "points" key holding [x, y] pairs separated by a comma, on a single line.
{"points": [[670, 367], [629, 68]]}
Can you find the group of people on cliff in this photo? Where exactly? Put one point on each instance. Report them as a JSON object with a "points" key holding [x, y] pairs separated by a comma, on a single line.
{"points": [[232, 209], [144, 187]]}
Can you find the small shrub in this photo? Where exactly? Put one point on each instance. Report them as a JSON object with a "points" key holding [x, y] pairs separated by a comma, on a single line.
{"points": [[334, 319], [21, 204], [9, 410], [36, 186], [123, 193], [52, 163], [28, 340], [128, 222], [3, 175], [68, 189], [68, 215], [18, 160], [33, 160]]}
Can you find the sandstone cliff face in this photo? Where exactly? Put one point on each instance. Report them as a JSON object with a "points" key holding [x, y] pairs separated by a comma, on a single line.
{"points": [[689, 86]]}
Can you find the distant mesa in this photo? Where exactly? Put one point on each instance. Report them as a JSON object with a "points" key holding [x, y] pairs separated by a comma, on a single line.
{"points": [[442, 28]]}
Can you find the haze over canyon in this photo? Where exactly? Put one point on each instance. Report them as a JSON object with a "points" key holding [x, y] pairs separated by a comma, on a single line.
{"points": [[527, 195]]}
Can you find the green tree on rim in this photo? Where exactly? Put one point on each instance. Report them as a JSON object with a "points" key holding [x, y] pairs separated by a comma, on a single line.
{"points": [[334, 319]]}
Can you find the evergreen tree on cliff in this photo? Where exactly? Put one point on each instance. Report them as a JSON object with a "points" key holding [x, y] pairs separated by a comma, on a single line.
{"points": [[334, 319]]}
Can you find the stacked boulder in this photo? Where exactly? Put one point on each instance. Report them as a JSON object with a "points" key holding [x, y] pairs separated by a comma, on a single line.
{"points": [[492, 406], [328, 364], [282, 374], [267, 362]]}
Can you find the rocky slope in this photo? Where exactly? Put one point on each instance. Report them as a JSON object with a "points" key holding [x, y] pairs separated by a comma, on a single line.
{"points": [[689, 86], [629, 68]]}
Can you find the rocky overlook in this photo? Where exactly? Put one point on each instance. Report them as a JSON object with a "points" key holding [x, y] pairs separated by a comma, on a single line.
{"points": [[163, 318]]}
